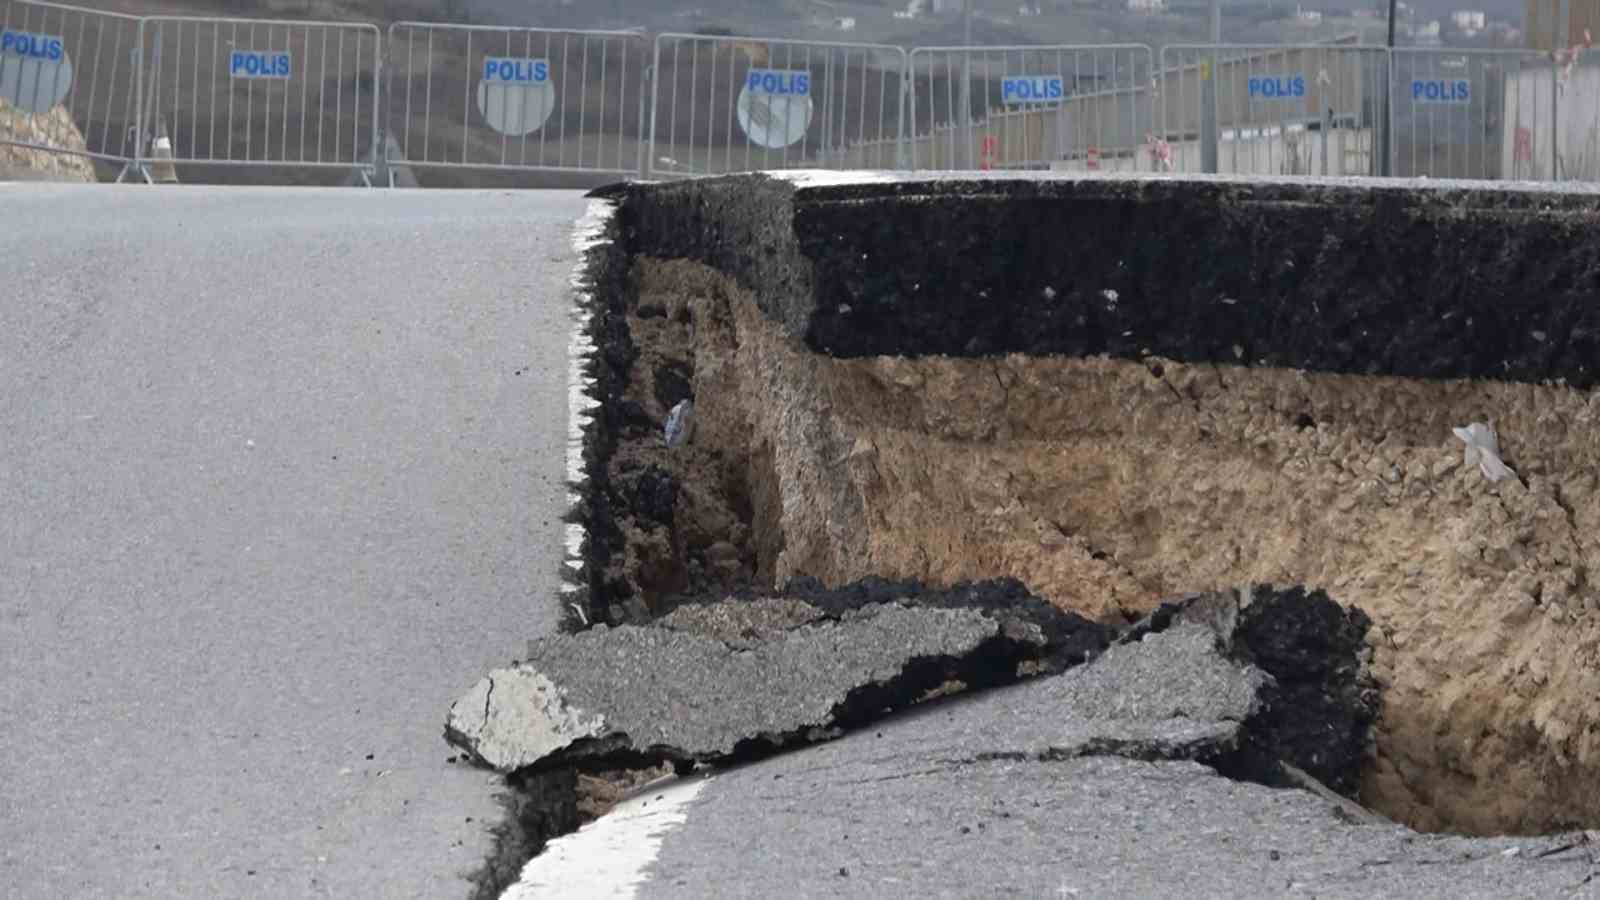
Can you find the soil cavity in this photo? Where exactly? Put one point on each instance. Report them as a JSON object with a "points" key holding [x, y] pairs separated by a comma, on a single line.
{"points": [[1104, 485]]}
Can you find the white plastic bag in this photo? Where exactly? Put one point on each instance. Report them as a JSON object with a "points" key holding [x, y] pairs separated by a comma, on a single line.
{"points": [[1483, 450]]}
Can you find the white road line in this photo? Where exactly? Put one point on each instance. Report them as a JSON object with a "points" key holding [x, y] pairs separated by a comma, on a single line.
{"points": [[827, 177], [607, 857], [580, 405]]}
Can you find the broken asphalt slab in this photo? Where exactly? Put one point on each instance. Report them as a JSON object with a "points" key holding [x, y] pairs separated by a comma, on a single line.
{"points": [[1099, 782], [877, 814], [714, 682]]}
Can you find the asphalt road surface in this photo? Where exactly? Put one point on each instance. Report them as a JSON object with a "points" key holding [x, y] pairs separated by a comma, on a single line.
{"points": [[281, 475], [1063, 787]]}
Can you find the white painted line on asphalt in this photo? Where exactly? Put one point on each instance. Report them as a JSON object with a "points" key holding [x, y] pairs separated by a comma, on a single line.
{"points": [[825, 177], [588, 232], [608, 857]]}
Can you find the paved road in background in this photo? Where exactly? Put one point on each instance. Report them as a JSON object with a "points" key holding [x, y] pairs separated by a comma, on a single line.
{"points": [[280, 478]]}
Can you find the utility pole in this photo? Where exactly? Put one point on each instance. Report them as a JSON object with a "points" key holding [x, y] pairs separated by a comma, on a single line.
{"points": [[1208, 96], [1385, 120]]}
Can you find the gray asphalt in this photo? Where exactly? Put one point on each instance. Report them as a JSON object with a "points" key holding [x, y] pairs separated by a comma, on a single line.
{"points": [[280, 477], [1072, 786]]}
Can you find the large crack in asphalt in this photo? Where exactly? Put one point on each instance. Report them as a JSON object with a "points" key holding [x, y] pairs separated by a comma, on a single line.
{"points": [[1218, 679]]}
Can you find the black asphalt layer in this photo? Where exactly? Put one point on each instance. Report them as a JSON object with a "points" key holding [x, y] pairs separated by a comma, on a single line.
{"points": [[281, 475], [1433, 279]]}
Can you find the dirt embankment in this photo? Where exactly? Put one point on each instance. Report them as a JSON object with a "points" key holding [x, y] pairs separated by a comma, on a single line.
{"points": [[52, 129], [1106, 485]]}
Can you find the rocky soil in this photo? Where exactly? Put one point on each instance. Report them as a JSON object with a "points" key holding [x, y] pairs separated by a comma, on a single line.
{"points": [[54, 129]]}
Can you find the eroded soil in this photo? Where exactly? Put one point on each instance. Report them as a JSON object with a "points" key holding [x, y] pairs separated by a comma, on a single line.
{"points": [[1106, 485]]}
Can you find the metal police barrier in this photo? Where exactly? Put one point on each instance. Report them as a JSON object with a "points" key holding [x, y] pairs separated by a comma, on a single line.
{"points": [[486, 97], [1575, 134], [253, 92], [1049, 107], [81, 61], [729, 104], [1477, 114], [1313, 109]]}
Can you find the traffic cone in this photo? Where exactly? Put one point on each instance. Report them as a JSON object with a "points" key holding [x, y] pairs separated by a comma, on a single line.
{"points": [[161, 168]]}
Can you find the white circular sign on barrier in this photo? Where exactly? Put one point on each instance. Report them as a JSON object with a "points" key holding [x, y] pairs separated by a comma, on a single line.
{"points": [[773, 121], [516, 96], [35, 83]]}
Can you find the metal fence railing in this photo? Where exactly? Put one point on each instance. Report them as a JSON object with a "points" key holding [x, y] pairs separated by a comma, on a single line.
{"points": [[728, 104], [242, 92], [81, 61], [1576, 131], [1037, 107], [1276, 110], [1483, 114], [486, 97], [250, 92]]}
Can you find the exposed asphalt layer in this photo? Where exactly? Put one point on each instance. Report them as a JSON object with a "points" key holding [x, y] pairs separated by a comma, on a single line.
{"points": [[282, 475], [1079, 785], [1416, 279]]}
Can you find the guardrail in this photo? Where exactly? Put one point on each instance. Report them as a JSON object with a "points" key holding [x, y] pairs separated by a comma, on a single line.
{"points": [[82, 61], [518, 99], [277, 93]]}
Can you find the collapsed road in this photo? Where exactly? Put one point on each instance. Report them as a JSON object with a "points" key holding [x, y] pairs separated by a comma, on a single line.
{"points": [[904, 389], [1102, 781]]}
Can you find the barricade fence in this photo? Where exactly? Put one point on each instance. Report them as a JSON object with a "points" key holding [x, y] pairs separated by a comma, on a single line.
{"points": [[1473, 114], [487, 97], [1074, 107], [729, 104], [81, 61], [1277, 110], [241, 92], [259, 92]]}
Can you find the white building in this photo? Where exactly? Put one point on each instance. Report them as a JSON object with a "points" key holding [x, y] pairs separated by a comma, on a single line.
{"points": [[1470, 21], [1147, 6], [1307, 16]]}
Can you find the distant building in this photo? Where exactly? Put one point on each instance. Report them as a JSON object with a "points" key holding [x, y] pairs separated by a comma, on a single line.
{"points": [[845, 23], [1548, 30], [1470, 21], [1307, 16], [1427, 35], [1147, 6], [1504, 33]]}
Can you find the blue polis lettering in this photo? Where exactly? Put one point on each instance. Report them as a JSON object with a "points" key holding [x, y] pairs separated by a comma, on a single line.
{"points": [[775, 81], [1033, 88], [32, 46], [256, 64], [1441, 91], [1278, 88], [509, 70]]}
